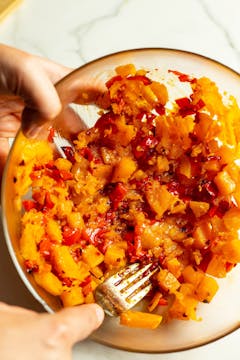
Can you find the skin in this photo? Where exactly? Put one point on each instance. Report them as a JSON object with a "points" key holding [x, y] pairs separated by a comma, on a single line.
{"points": [[28, 98]]}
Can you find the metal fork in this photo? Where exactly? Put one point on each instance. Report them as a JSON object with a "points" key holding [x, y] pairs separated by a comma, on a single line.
{"points": [[125, 289], [61, 143], [129, 286]]}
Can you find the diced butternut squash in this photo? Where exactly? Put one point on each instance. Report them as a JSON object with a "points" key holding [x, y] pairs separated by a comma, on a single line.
{"points": [[97, 272], [53, 230], [226, 185], [183, 307], [64, 208], [159, 198], [151, 236], [49, 282], [160, 91], [232, 219], [73, 296], [206, 289], [115, 256], [192, 276], [75, 220], [202, 234], [125, 70], [185, 167], [63, 164], [31, 236], [167, 281], [92, 256], [65, 265], [139, 319], [217, 266], [89, 299], [231, 251], [199, 208], [124, 169], [174, 266]]}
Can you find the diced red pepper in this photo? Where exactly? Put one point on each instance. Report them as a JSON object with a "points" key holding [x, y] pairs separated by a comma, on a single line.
{"points": [[51, 134], [187, 107], [205, 261], [44, 248], [211, 189], [183, 77], [86, 281], [87, 153], [220, 209], [160, 109], [67, 281], [29, 204], [106, 121], [69, 152], [31, 266], [71, 235], [162, 302], [142, 146], [183, 102], [142, 78], [66, 175], [86, 286], [48, 203], [229, 266], [117, 195], [111, 81]]}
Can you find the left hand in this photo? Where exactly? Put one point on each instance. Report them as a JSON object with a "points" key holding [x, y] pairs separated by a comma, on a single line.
{"points": [[25, 81]]}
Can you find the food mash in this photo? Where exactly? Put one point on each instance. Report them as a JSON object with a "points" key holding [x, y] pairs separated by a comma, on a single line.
{"points": [[156, 180]]}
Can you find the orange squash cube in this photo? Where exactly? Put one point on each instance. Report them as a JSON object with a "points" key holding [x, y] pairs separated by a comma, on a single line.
{"points": [[72, 297], [124, 169], [199, 208], [92, 256], [192, 276], [139, 319], [167, 281], [49, 282], [206, 289], [226, 185]]}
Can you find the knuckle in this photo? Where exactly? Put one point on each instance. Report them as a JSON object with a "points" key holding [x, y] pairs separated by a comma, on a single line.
{"points": [[58, 333]]}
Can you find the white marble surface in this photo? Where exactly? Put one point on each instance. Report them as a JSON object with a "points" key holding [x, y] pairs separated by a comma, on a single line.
{"points": [[76, 31]]}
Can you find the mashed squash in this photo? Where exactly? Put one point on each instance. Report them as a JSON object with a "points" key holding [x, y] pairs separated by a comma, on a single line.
{"points": [[148, 183]]}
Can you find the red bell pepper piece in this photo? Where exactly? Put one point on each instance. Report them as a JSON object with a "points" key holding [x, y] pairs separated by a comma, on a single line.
{"points": [[51, 134], [29, 204], [142, 78], [183, 77], [71, 236], [162, 302], [44, 248], [117, 195], [111, 81], [69, 152], [31, 266]]}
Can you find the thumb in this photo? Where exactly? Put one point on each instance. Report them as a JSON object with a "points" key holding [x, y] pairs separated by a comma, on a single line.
{"points": [[78, 322]]}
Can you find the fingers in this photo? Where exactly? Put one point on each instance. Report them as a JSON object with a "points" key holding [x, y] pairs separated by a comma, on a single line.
{"points": [[31, 78], [75, 324], [4, 148]]}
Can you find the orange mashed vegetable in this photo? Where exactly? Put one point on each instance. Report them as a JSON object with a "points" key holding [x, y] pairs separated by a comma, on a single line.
{"points": [[147, 183]]}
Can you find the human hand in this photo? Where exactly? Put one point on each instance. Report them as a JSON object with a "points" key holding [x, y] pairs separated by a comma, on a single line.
{"points": [[25, 334], [26, 81]]}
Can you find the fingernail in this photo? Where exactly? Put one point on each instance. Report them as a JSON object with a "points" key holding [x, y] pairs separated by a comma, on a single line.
{"points": [[31, 131]]}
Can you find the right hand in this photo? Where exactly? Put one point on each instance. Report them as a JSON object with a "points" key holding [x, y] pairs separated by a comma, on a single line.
{"points": [[25, 334]]}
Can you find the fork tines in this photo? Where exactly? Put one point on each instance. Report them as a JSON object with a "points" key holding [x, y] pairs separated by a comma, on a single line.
{"points": [[126, 288]]}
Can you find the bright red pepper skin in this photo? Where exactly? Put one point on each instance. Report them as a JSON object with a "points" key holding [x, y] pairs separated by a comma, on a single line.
{"points": [[117, 195], [71, 236]]}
